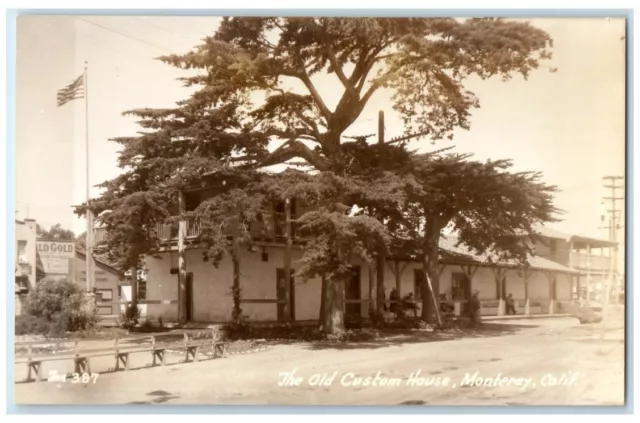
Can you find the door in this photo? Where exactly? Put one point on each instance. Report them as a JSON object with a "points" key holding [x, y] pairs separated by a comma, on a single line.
{"points": [[189, 289], [352, 292], [460, 287], [460, 290], [281, 294]]}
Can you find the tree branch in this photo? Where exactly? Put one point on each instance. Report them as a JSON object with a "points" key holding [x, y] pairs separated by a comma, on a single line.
{"points": [[292, 149], [348, 85], [306, 80]]}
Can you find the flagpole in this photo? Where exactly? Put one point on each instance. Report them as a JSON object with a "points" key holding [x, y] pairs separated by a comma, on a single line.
{"points": [[89, 237]]}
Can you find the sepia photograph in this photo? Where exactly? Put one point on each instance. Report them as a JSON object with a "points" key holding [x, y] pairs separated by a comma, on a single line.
{"points": [[319, 210]]}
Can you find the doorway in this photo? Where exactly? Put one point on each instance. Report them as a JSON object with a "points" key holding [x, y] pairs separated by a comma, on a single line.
{"points": [[281, 294]]}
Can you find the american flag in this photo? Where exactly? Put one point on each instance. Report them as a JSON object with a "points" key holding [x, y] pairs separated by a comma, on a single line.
{"points": [[72, 91]]}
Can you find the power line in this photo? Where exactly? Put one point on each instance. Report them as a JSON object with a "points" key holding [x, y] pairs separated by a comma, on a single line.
{"points": [[161, 28], [140, 40]]}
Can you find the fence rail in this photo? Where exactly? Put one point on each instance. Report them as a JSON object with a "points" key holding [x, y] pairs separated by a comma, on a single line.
{"points": [[191, 347]]}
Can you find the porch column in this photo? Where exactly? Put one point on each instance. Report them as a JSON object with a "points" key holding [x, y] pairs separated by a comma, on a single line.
{"points": [[287, 262], [550, 281], [571, 285], [398, 271], [372, 291], [525, 278], [469, 272], [182, 263], [499, 274]]}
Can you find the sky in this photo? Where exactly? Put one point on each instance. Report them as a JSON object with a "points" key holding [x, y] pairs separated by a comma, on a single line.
{"points": [[569, 125]]}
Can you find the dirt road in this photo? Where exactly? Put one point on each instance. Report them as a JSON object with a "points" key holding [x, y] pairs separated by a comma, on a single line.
{"points": [[524, 362]]}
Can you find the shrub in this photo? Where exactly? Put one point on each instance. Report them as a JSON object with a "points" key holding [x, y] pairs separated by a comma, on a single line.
{"points": [[56, 307], [129, 318]]}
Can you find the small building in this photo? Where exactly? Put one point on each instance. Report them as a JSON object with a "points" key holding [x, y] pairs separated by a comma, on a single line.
{"points": [[592, 257], [27, 271], [107, 280], [63, 260]]}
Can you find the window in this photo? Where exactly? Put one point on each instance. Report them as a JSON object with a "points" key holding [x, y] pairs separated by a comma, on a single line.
{"points": [[553, 248], [22, 248], [104, 294], [142, 290], [22, 252], [418, 278], [280, 219]]}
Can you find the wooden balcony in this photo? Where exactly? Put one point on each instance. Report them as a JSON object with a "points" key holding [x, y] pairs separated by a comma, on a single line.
{"points": [[591, 262], [169, 231]]}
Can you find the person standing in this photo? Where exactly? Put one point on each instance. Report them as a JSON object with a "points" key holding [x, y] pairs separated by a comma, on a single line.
{"points": [[511, 306]]}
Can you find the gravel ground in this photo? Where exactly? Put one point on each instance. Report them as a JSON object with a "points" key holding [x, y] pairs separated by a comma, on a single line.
{"points": [[560, 361]]}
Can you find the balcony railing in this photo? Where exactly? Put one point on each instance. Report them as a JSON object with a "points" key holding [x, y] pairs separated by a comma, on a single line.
{"points": [[170, 230], [592, 262]]}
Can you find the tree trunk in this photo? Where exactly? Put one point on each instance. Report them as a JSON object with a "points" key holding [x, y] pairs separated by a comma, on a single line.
{"points": [[182, 264], [431, 280], [333, 319], [323, 294], [380, 295], [235, 257]]}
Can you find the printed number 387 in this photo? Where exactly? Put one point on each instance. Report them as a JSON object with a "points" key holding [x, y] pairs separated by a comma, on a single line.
{"points": [[84, 377]]}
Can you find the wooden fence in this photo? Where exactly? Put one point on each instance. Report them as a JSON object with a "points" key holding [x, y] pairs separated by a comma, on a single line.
{"points": [[191, 347]]}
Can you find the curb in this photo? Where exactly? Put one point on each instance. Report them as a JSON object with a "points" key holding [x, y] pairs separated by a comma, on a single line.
{"points": [[523, 317]]}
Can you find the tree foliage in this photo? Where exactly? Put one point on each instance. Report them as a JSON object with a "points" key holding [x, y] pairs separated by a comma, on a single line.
{"points": [[424, 63], [55, 232]]}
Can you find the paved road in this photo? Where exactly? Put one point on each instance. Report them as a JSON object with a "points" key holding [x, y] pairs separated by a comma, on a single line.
{"points": [[531, 358]]}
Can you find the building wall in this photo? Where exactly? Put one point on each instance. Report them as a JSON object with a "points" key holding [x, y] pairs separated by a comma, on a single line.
{"points": [[106, 282], [26, 231], [560, 254], [212, 300]]}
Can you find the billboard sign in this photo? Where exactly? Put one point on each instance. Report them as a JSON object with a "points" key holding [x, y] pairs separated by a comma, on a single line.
{"points": [[55, 255]]}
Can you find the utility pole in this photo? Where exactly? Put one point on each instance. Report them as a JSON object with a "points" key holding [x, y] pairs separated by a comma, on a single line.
{"points": [[612, 183]]}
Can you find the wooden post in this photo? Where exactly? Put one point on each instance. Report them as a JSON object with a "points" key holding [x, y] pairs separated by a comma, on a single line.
{"points": [[235, 257], [182, 263], [469, 272], [499, 274], [372, 291], [287, 261], [550, 276]]}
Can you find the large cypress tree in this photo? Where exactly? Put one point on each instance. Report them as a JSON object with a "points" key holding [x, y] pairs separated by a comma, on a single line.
{"points": [[256, 84]]}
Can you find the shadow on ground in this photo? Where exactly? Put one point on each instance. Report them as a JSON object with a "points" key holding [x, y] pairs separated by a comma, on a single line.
{"points": [[397, 337], [160, 398]]}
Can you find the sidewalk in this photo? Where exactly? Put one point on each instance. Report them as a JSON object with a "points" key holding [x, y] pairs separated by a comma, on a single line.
{"points": [[525, 317]]}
